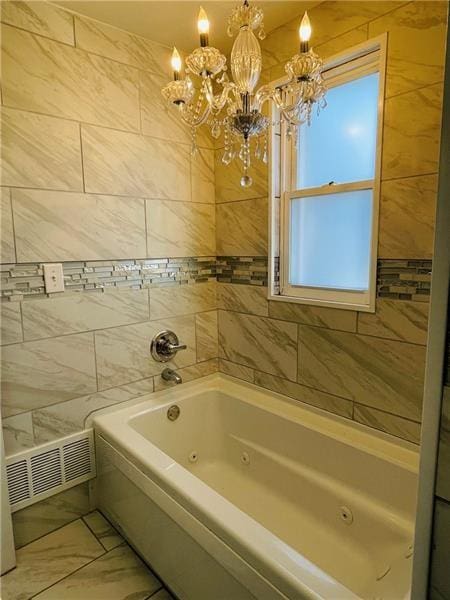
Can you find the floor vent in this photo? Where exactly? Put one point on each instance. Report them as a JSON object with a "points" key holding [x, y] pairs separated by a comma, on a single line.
{"points": [[48, 469]]}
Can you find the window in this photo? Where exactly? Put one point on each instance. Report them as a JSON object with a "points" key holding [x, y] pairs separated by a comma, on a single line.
{"points": [[328, 204]]}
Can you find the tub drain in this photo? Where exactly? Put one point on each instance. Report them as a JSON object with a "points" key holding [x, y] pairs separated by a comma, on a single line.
{"points": [[193, 457]]}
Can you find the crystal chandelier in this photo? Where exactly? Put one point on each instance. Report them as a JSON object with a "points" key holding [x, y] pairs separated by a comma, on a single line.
{"points": [[234, 107]]}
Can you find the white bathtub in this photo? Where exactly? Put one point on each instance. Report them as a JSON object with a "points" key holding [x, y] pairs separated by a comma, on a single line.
{"points": [[251, 495]]}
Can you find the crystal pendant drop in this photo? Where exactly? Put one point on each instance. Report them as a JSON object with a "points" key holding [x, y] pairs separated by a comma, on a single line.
{"points": [[246, 181], [215, 130], [227, 158]]}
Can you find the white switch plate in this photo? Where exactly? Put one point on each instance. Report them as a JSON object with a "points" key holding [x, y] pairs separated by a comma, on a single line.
{"points": [[53, 278]]}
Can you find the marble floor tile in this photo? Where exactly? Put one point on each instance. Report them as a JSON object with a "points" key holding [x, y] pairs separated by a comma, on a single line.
{"points": [[163, 595], [48, 515], [103, 530], [117, 575], [47, 560]]}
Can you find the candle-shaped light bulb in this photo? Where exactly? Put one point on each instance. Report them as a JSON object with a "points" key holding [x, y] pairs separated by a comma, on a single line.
{"points": [[203, 27], [176, 63], [304, 33]]}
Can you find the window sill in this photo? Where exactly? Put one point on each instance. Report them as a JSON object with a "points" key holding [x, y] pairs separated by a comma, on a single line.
{"points": [[369, 308]]}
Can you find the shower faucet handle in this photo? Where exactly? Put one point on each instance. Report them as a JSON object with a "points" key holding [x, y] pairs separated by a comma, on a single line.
{"points": [[165, 345], [176, 347]]}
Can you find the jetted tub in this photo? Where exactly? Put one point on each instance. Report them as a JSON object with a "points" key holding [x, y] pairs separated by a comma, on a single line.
{"points": [[248, 494]]}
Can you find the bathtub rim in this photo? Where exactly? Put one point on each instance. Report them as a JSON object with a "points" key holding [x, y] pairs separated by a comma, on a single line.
{"points": [[385, 446], [251, 540]]}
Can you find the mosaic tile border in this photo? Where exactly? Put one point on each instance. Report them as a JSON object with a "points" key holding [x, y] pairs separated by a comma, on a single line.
{"points": [[396, 279], [404, 279], [23, 281], [249, 270]]}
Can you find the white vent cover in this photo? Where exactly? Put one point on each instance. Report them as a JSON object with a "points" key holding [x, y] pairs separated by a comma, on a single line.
{"points": [[48, 469]]}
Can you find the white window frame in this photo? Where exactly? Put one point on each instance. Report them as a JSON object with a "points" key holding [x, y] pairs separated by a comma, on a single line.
{"points": [[368, 57]]}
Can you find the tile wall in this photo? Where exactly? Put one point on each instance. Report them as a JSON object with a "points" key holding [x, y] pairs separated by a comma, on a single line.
{"points": [[368, 367], [96, 174]]}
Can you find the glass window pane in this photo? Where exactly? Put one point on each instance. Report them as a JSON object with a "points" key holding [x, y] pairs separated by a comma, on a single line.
{"points": [[340, 143], [330, 240]]}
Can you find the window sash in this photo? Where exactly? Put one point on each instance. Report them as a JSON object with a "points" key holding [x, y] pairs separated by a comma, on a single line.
{"points": [[336, 295], [364, 59]]}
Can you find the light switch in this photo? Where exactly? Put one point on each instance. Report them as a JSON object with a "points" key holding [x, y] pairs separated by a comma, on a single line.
{"points": [[53, 278]]}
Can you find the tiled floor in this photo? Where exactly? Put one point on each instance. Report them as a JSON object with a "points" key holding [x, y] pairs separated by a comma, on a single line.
{"points": [[85, 560]]}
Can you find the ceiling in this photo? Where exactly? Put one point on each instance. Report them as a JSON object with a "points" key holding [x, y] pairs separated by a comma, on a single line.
{"points": [[173, 22]]}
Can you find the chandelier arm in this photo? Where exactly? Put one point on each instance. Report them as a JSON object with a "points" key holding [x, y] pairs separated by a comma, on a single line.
{"points": [[219, 101], [190, 119]]}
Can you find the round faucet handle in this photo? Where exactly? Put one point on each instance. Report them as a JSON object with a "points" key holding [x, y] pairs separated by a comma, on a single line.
{"points": [[165, 345]]}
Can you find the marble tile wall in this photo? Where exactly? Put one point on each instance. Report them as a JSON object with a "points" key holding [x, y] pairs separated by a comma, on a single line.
{"points": [[368, 367], [96, 174]]}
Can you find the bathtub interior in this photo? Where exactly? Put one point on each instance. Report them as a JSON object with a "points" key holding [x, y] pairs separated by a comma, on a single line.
{"points": [[346, 509]]}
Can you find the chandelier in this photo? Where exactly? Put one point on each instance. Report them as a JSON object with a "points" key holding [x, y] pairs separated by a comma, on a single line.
{"points": [[234, 108]]}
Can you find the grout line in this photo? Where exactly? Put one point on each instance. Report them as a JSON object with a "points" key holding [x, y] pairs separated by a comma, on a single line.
{"points": [[135, 132], [11, 204], [74, 31], [59, 526], [124, 196], [112, 327], [38, 35], [83, 175], [377, 337], [401, 178], [417, 89], [68, 575], [95, 359]]}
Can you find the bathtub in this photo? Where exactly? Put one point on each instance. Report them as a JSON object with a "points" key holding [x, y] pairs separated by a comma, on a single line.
{"points": [[248, 494]]}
